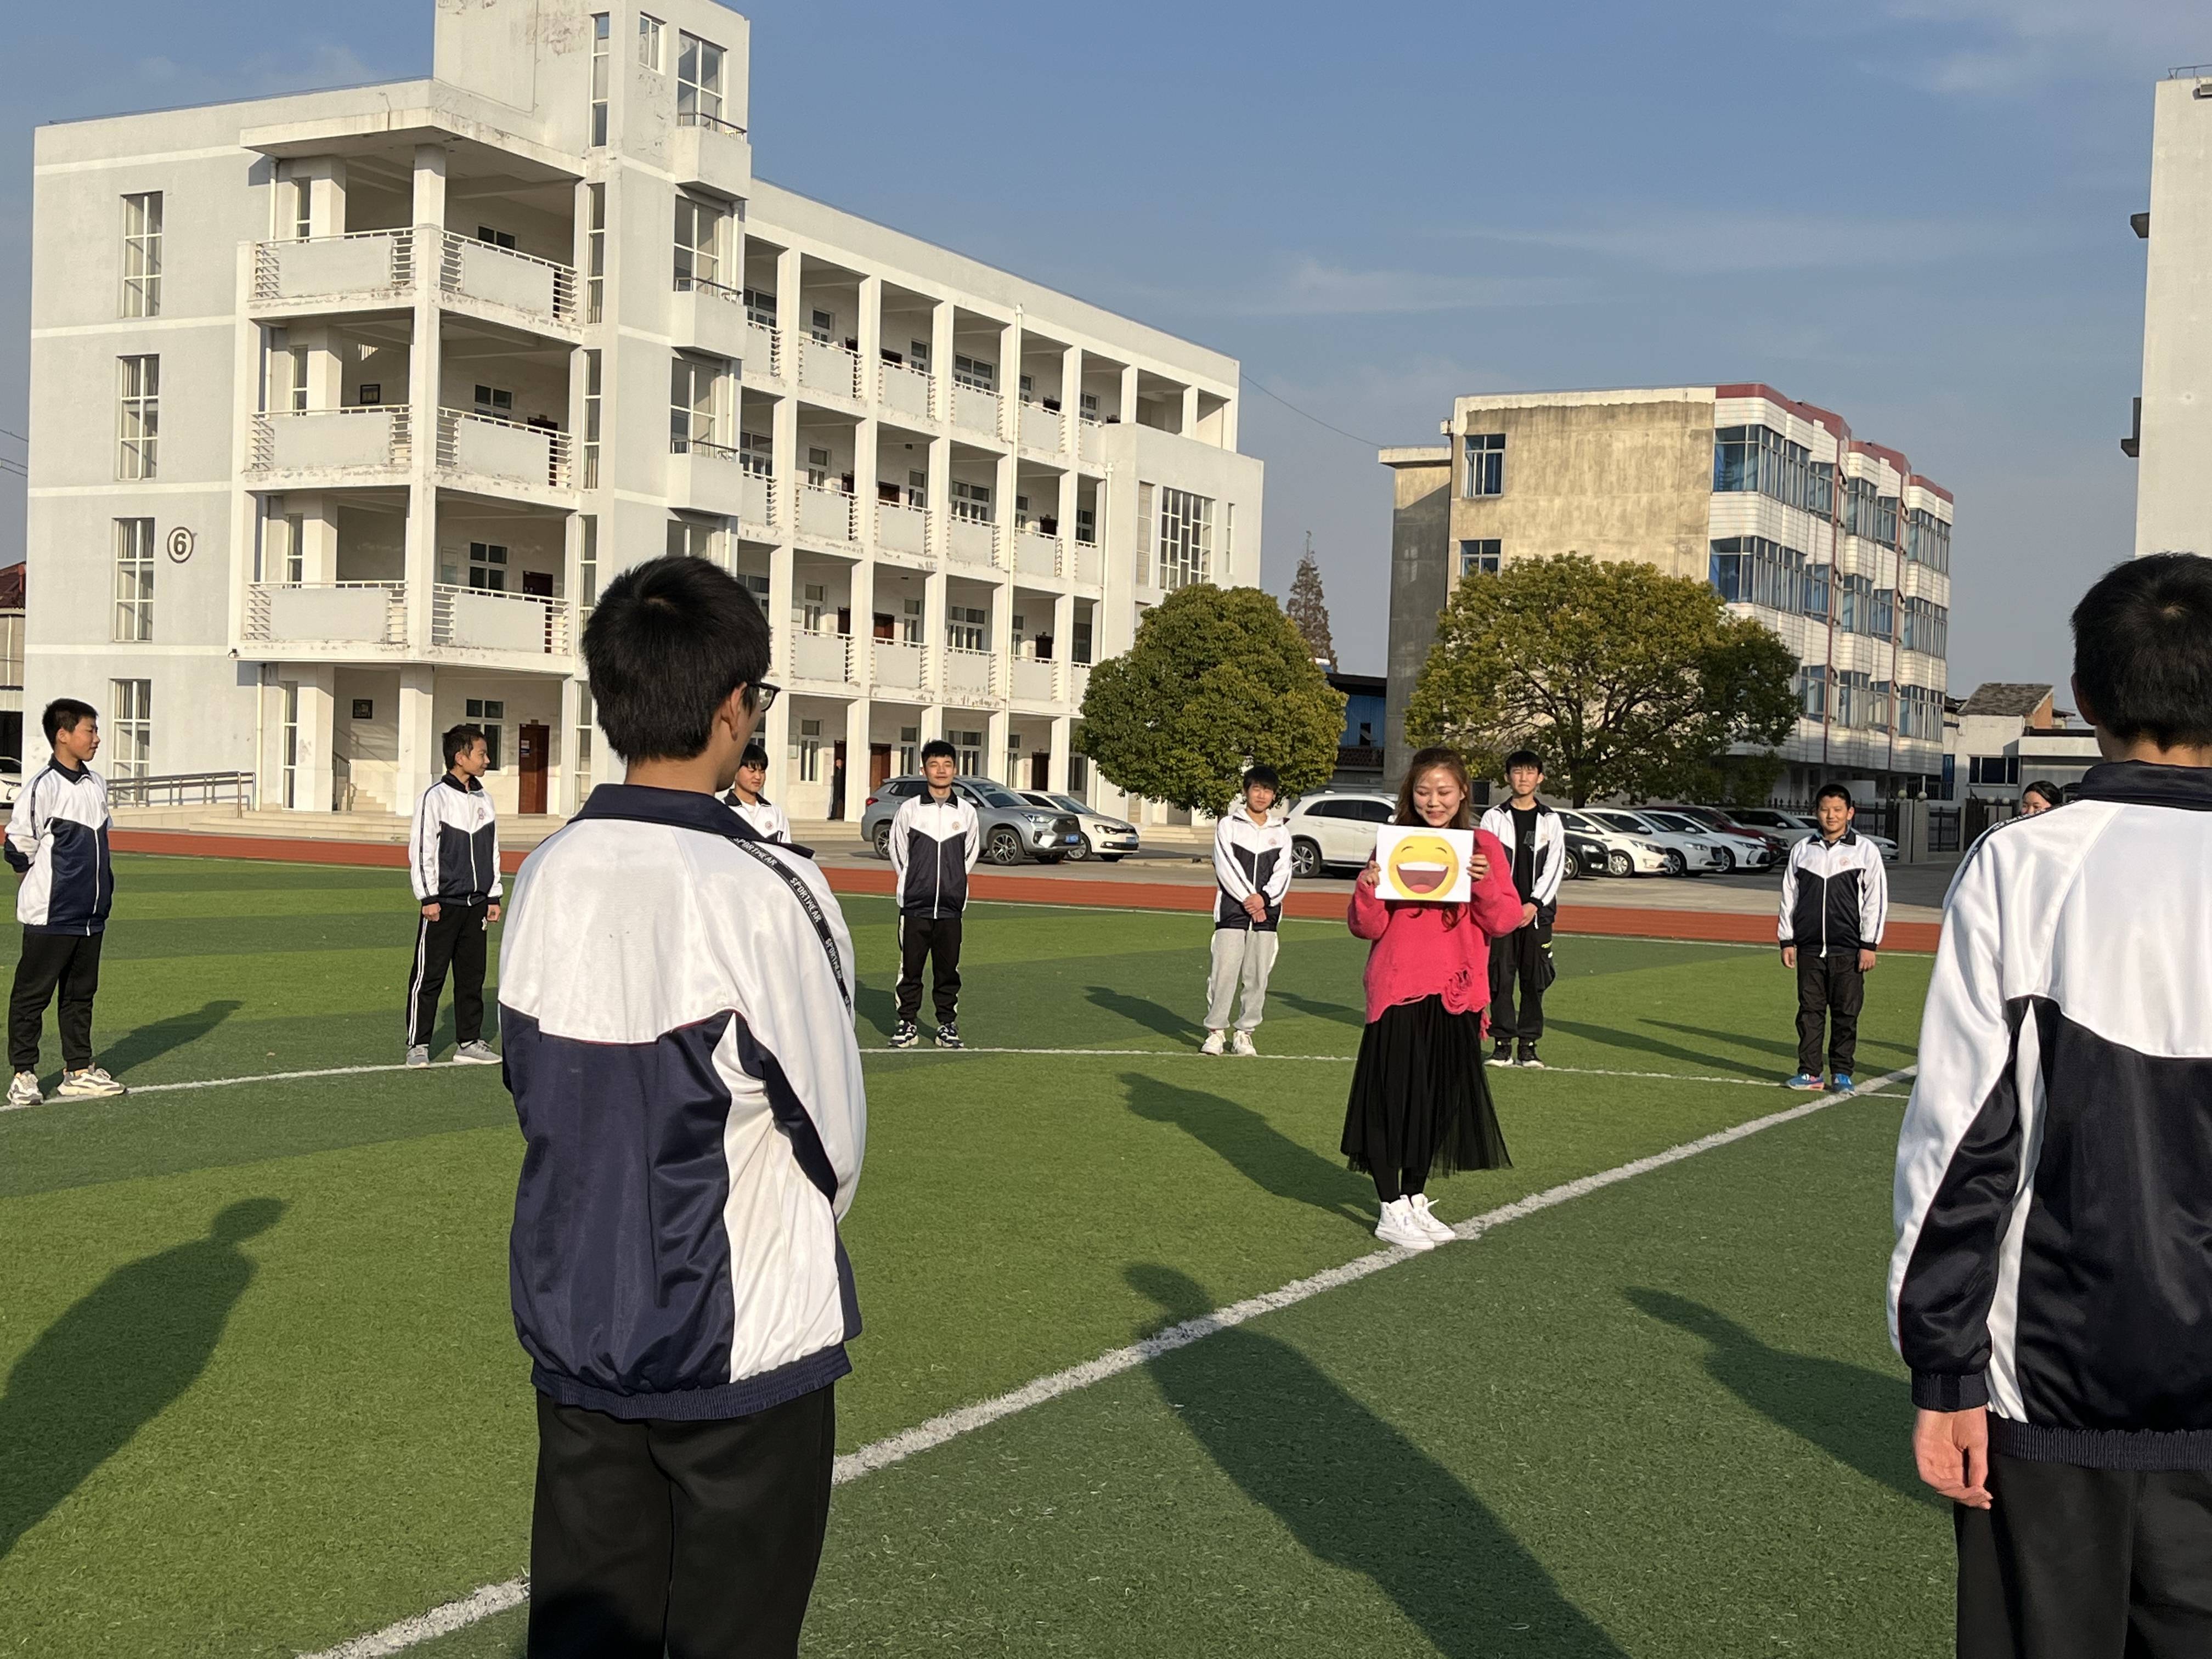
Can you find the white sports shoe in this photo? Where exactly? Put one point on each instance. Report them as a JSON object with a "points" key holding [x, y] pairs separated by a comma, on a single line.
{"points": [[24, 1090], [1397, 1226], [90, 1084], [1240, 1042], [419, 1055], [1216, 1043], [476, 1054], [1427, 1220]]}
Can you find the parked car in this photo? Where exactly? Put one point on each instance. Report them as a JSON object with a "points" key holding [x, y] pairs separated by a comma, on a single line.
{"points": [[1746, 850], [1585, 857], [1801, 825], [1012, 828], [1106, 838], [1692, 853], [1623, 853], [1336, 831], [1715, 818]]}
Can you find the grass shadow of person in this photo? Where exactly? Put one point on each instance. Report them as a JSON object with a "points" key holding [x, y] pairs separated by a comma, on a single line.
{"points": [[1775, 1046], [115, 1360], [1860, 1417], [1142, 1011], [1251, 1146], [1356, 1494], [1341, 1013], [1610, 1037], [147, 1044], [877, 1007]]}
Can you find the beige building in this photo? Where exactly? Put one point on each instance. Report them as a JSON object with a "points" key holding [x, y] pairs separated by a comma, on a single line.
{"points": [[1835, 543], [2173, 418]]}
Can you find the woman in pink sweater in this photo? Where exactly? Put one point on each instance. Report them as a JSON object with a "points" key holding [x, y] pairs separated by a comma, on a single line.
{"points": [[1420, 1102]]}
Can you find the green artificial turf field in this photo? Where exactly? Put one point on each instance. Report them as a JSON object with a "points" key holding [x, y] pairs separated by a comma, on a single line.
{"points": [[262, 1394]]}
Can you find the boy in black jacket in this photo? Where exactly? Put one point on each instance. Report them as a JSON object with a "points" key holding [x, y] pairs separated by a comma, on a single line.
{"points": [[453, 859], [1835, 898], [935, 837]]}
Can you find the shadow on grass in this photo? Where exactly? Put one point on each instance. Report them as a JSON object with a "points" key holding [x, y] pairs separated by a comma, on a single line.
{"points": [[1358, 1494], [1340, 1013], [1781, 1048], [150, 1042], [1254, 1147], [1860, 1417], [876, 1007], [1610, 1037], [115, 1360], [1141, 1010]]}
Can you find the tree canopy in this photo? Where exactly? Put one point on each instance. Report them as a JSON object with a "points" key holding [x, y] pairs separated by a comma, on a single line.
{"points": [[1309, 609], [1629, 681], [1217, 679]]}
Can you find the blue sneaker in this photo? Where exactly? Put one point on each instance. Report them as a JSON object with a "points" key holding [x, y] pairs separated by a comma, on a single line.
{"points": [[1808, 1080], [1843, 1080]]}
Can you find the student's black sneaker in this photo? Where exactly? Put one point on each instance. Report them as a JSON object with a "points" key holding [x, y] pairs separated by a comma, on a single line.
{"points": [[1529, 1057], [948, 1037], [1501, 1051], [905, 1034]]}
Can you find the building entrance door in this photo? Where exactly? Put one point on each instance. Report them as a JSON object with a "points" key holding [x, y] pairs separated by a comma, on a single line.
{"points": [[1041, 771], [880, 765], [532, 743]]}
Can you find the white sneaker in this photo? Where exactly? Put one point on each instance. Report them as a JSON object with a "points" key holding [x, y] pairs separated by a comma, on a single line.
{"points": [[1240, 1042], [1216, 1043], [1397, 1226], [475, 1053], [90, 1084], [1427, 1220], [24, 1090], [419, 1055]]}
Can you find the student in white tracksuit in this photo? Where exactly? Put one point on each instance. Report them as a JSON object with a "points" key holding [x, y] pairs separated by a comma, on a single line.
{"points": [[761, 816], [1252, 866]]}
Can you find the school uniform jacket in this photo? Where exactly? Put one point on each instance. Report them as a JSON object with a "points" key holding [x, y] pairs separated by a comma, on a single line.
{"points": [[933, 846], [1550, 849], [2054, 1172], [57, 842], [454, 844], [1835, 895], [676, 1009], [1250, 858], [763, 817]]}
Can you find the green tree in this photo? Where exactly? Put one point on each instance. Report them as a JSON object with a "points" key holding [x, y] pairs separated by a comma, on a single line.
{"points": [[1629, 681], [1217, 679], [1309, 609]]}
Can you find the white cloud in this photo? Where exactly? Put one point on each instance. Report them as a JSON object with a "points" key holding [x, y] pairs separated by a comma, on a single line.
{"points": [[1308, 286], [1699, 242]]}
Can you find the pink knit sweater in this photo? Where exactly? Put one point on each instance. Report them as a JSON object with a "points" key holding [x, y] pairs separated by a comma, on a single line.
{"points": [[1417, 955]]}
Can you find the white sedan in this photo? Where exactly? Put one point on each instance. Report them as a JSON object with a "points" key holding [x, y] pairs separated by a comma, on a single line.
{"points": [[1627, 853], [1684, 855], [1745, 852], [1106, 838]]}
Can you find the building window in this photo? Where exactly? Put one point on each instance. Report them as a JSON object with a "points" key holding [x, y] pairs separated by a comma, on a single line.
{"points": [[1927, 627], [970, 745], [141, 254], [1478, 558], [301, 195], [602, 32], [292, 364], [757, 586], [817, 467], [1760, 460], [495, 402], [1920, 713], [698, 244], [1880, 699], [698, 82], [966, 628], [1751, 570], [138, 417], [587, 561], [1813, 600], [595, 252], [289, 751], [692, 389], [492, 237], [822, 327], [1850, 697], [973, 371], [760, 307], [649, 31], [590, 419], [134, 581], [1082, 652], [909, 750], [757, 453], [971, 501], [1927, 539], [1228, 536], [487, 567], [1078, 777], [917, 489], [808, 751], [1485, 464], [691, 538], [813, 605], [581, 767], [1186, 545], [490, 712], [1881, 614], [131, 728], [1854, 605], [1086, 525], [1813, 691]]}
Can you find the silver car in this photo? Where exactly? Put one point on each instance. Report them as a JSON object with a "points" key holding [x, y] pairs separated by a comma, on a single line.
{"points": [[1106, 838], [1012, 830]]}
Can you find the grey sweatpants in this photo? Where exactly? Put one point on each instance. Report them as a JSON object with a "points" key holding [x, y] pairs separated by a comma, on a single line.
{"points": [[1245, 954]]}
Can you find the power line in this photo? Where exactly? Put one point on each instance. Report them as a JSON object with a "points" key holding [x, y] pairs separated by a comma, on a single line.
{"points": [[1316, 419], [17, 436]]}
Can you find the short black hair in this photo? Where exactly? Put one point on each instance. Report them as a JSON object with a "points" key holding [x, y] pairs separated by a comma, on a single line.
{"points": [[63, 713], [1266, 776], [755, 755], [1525, 757], [2142, 649], [937, 747], [2042, 787], [668, 642], [459, 740], [1836, 791]]}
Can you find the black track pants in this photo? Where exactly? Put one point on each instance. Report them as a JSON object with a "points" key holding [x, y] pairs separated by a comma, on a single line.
{"points": [[934, 939], [699, 1540], [2086, 1563], [70, 961], [455, 940], [1830, 990], [1522, 959]]}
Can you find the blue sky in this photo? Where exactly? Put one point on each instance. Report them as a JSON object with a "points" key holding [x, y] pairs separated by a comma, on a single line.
{"points": [[1914, 212]]}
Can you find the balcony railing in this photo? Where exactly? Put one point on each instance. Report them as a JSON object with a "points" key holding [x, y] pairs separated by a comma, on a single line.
{"points": [[699, 118], [824, 366], [1090, 437], [487, 447], [1085, 565], [1040, 427], [503, 277], [900, 665], [826, 514], [906, 389], [825, 657], [972, 541], [479, 619], [975, 408], [969, 673], [902, 529], [363, 264], [763, 349], [326, 613], [377, 436], [1036, 554], [1036, 681]]}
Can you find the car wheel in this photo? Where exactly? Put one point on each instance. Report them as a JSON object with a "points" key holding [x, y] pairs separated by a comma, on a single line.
{"points": [[1305, 859], [1674, 864], [883, 839], [1570, 867], [1055, 858], [1724, 862], [1077, 853], [1003, 845], [1619, 864]]}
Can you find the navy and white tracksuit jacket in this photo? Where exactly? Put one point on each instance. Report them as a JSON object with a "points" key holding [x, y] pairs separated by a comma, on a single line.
{"points": [[763, 817], [1550, 857], [454, 844], [676, 1009], [933, 846], [2054, 1172], [57, 842], [1249, 858], [1835, 896]]}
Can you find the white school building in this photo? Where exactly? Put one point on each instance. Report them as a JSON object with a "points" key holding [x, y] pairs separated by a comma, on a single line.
{"points": [[344, 404]]}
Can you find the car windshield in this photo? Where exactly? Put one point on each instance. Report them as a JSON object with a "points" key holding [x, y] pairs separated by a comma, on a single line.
{"points": [[1680, 825], [1001, 797], [1619, 821], [1068, 804]]}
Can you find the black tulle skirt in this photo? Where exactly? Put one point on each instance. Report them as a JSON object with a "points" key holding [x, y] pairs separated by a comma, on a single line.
{"points": [[1420, 1102]]}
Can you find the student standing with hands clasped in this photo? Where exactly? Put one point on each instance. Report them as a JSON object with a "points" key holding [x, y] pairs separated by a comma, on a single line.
{"points": [[1420, 1103], [1536, 846], [1252, 867], [1835, 895], [935, 837]]}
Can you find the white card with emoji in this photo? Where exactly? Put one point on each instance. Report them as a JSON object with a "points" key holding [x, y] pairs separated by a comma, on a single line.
{"points": [[1421, 866]]}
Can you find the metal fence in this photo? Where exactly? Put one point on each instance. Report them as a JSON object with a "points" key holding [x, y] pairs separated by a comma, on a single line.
{"points": [[185, 789]]}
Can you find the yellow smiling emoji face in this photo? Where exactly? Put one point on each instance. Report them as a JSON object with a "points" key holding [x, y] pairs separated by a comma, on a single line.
{"points": [[1422, 865]]}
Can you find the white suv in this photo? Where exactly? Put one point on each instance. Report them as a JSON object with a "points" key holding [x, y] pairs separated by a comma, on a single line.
{"points": [[1336, 831], [1627, 853]]}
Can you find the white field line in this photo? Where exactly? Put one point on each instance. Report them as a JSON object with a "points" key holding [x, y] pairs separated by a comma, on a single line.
{"points": [[924, 1437]]}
